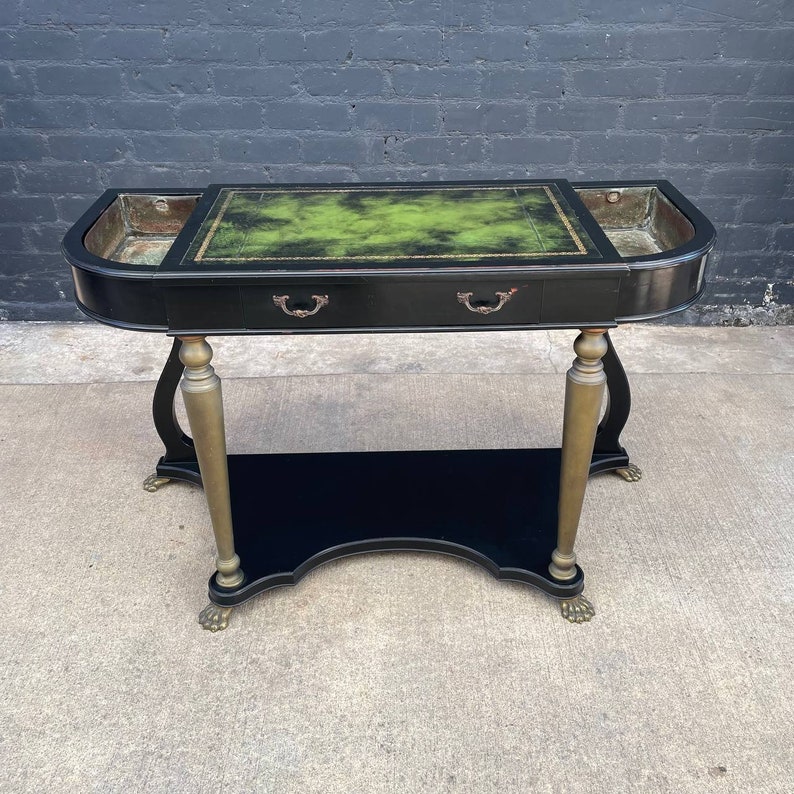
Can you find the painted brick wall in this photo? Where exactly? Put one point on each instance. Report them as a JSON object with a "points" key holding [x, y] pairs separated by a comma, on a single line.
{"points": [[97, 93]]}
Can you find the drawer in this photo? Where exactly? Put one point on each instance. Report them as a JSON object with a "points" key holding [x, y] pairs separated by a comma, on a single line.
{"points": [[305, 306], [459, 303], [585, 301], [420, 304]]}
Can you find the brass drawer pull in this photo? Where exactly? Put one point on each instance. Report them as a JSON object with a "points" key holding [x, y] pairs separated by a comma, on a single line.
{"points": [[504, 297], [319, 302]]}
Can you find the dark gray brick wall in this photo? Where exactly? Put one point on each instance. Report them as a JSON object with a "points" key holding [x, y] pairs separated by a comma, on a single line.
{"points": [[96, 93]]}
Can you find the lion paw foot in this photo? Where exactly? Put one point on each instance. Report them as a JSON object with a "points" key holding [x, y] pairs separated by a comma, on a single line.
{"points": [[153, 482], [577, 610], [214, 618], [630, 473]]}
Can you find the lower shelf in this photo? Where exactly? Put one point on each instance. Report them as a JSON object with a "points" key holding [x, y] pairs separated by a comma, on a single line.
{"points": [[495, 508]]}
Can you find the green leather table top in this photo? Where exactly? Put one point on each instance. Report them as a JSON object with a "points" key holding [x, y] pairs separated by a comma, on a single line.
{"points": [[377, 226]]}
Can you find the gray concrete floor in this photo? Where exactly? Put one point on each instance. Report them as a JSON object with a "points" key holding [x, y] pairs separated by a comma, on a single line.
{"points": [[398, 672]]}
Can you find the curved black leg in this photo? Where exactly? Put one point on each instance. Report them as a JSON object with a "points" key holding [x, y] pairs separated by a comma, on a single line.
{"points": [[179, 461], [618, 403], [608, 453], [178, 445]]}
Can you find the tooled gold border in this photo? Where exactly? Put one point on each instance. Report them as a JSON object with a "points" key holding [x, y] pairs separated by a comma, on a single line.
{"points": [[215, 224], [581, 249]]}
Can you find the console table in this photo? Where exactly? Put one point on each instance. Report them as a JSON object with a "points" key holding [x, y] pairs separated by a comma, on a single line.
{"points": [[263, 259]]}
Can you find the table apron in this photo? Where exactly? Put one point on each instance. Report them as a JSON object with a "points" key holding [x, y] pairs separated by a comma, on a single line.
{"points": [[504, 302]]}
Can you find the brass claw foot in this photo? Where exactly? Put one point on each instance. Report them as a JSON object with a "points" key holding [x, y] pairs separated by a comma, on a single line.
{"points": [[630, 473], [153, 482], [577, 610], [214, 618]]}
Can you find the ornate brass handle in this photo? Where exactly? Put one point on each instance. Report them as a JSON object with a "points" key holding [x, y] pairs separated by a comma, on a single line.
{"points": [[319, 302], [465, 297]]}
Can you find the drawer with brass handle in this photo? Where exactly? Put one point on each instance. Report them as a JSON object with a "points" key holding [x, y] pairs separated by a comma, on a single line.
{"points": [[391, 304], [313, 306], [460, 303]]}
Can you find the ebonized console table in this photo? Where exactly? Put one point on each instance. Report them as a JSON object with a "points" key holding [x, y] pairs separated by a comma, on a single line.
{"points": [[263, 259]]}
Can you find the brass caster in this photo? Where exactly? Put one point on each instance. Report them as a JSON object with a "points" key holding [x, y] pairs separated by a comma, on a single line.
{"points": [[577, 610], [214, 618], [630, 473], [153, 482]]}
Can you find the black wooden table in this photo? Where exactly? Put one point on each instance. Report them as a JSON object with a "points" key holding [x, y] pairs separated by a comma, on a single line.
{"points": [[261, 259]]}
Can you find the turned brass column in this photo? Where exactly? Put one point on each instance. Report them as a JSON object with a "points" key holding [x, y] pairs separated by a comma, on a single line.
{"points": [[201, 391], [584, 391]]}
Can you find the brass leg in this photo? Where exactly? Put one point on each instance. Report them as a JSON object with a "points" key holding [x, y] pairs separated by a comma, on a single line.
{"points": [[201, 391], [584, 391]]}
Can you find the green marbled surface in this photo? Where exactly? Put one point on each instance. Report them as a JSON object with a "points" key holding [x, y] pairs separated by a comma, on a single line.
{"points": [[383, 225]]}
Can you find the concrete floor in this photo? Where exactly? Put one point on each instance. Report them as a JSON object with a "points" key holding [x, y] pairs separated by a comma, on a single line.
{"points": [[398, 672]]}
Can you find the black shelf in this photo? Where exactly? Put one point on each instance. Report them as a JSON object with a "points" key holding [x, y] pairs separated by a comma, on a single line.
{"points": [[495, 508]]}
